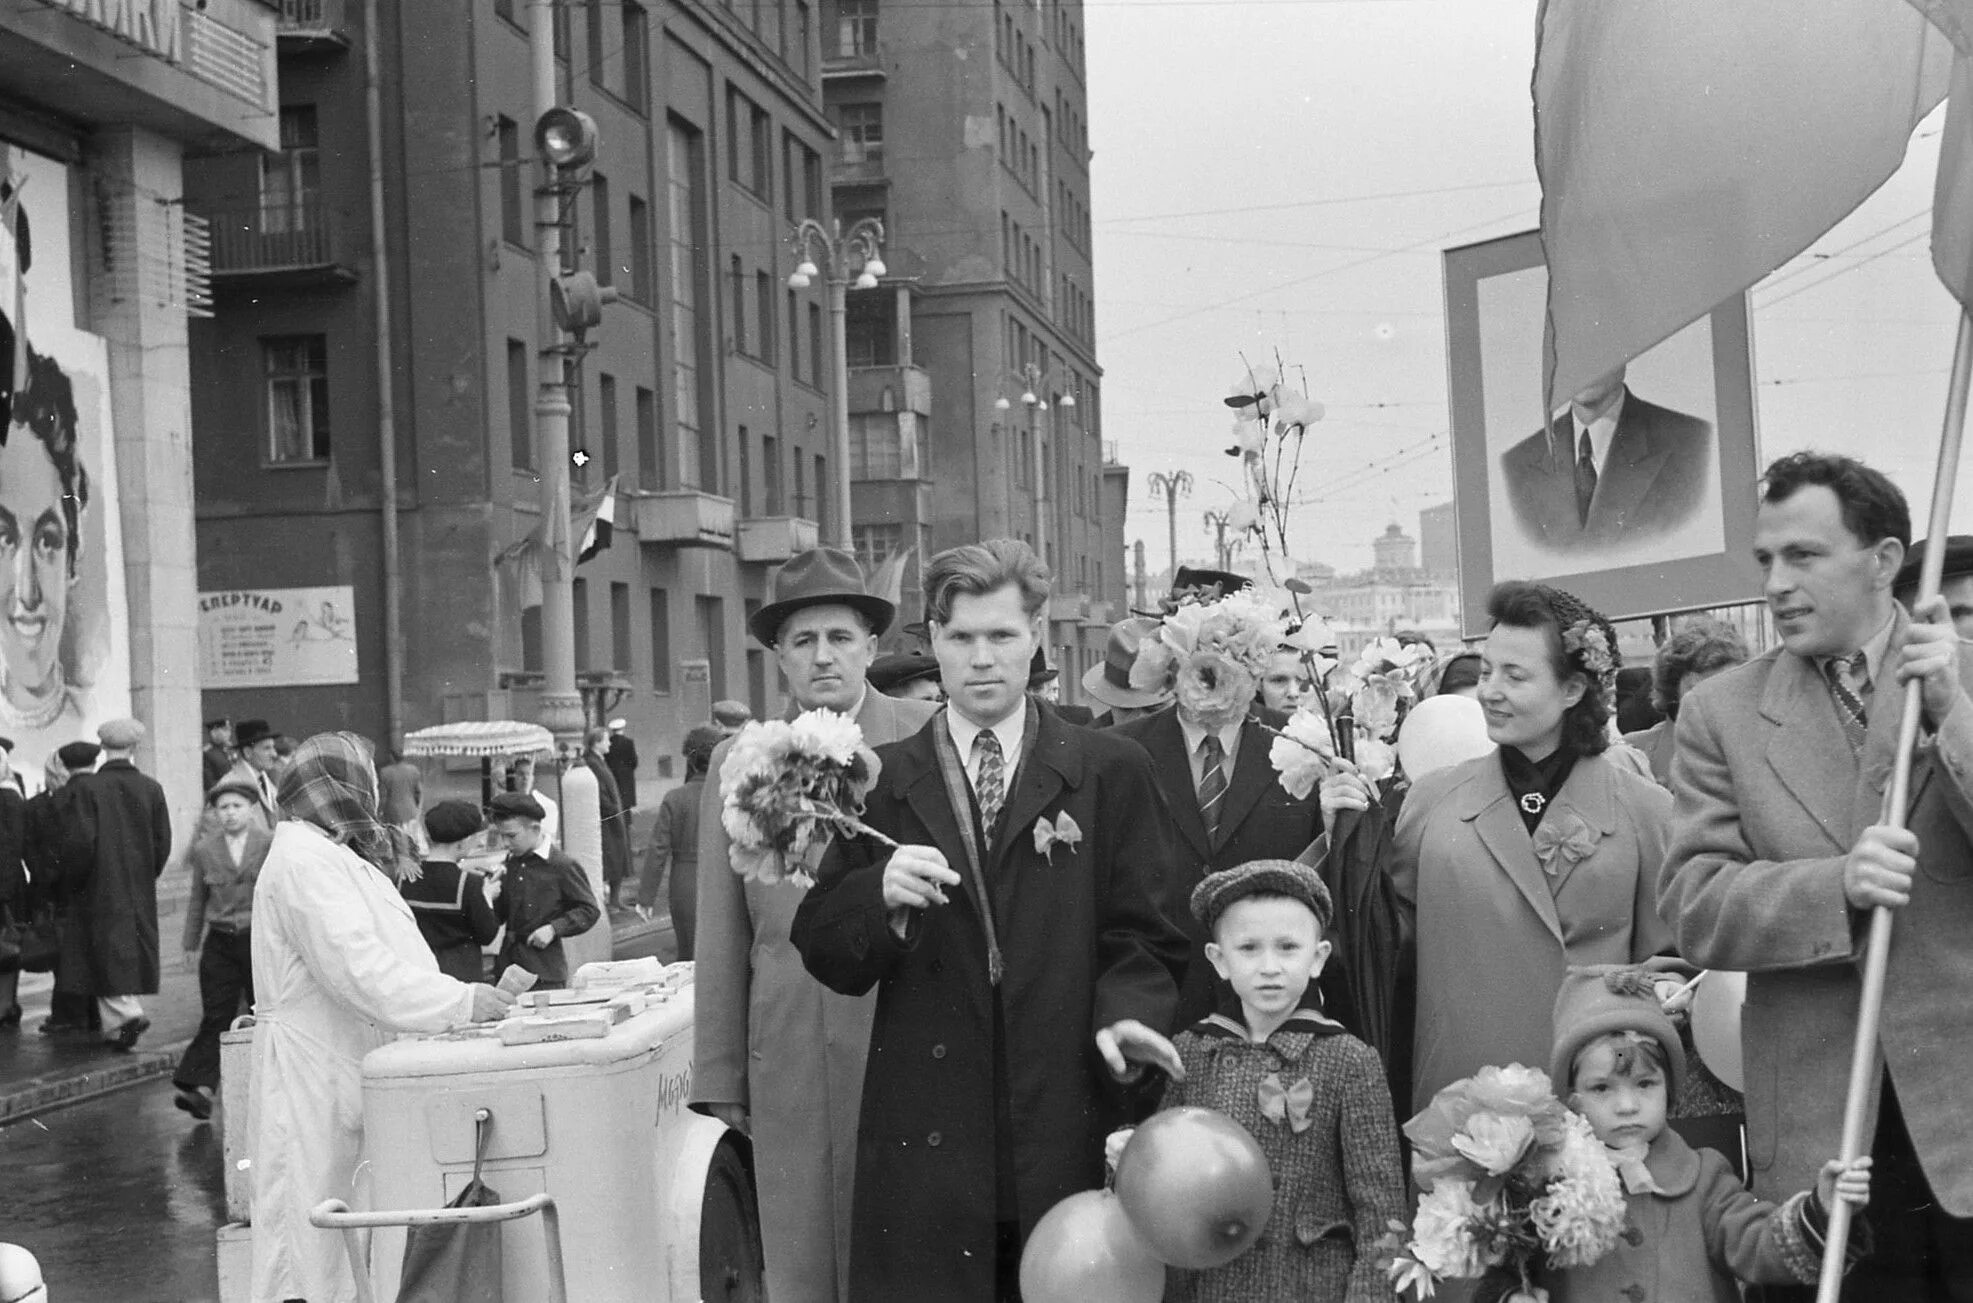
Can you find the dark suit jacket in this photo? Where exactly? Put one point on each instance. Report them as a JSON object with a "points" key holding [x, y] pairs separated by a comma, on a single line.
{"points": [[616, 820], [1651, 483], [1260, 821], [622, 761], [969, 1084]]}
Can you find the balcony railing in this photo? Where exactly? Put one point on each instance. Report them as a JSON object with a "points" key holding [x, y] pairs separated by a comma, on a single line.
{"points": [[272, 237], [306, 24], [683, 518], [770, 540]]}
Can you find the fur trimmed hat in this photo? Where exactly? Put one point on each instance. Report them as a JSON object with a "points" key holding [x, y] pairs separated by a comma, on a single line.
{"points": [[1606, 998]]}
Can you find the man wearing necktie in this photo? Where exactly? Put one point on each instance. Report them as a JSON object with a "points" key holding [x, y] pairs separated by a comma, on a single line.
{"points": [[1016, 943], [1612, 468], [1779, 852]]}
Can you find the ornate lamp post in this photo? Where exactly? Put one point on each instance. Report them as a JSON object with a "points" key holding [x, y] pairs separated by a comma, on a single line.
{"points": [[1033, 381], [1218, 521], [853, 257], [1172, 486]]}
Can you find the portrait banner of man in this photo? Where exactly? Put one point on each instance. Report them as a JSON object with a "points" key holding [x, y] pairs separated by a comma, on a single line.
{"points": [[1633, 492]]}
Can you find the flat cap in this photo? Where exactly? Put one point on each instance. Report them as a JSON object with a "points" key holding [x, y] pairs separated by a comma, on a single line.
{"points": [[455, 821], [1211, 898], [1959, 561], [897, 668], [515, 805], [77, 756], [121, 734], [232, 786]]}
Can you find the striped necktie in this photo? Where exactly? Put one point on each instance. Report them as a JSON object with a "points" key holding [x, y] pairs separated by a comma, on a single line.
{"points": [[1585, 478], [1212, 782], [990, 778], [1849, 684]]}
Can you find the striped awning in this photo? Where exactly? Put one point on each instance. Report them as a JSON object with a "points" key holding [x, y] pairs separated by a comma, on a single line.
{"points": [[480, 737]]}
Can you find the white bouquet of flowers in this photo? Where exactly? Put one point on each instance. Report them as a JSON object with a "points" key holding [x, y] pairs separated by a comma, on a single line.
{"points": [[785, 787]]}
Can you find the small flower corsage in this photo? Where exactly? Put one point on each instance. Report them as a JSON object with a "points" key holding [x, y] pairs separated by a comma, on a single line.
{"points": [[1563, 841], [1063, 832]]}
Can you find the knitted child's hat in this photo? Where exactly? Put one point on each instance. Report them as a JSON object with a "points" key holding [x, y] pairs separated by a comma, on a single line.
{"points": [[1605, 998], [1261, 878]]}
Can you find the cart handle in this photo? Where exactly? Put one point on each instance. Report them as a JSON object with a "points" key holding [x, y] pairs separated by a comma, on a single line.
{"points": [[335, 1215]]}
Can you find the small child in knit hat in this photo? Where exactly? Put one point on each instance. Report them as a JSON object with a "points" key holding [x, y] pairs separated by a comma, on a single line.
{"points": [[1311, 1095], [1694, 1228]]}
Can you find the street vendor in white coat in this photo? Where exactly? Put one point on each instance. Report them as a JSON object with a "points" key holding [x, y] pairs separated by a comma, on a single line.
{"points": [[338, 967], [776, 1054]]}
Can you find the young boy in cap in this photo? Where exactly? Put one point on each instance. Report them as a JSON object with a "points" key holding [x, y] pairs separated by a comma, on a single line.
{"points": [[447, 900], [544, 895], [1694, 1229], [224, 864], [1312, 1095]]}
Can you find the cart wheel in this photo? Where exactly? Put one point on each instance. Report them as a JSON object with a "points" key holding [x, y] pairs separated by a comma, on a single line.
{"points": [[730, 1266]]}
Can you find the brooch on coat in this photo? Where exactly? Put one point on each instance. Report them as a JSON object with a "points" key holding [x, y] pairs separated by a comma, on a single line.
{"points": [[1063, 832], [1563, 841], [1287, 1104]]}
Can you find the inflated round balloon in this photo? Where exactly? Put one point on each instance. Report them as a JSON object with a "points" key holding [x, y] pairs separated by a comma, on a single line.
{"points": [[1196, 1186], [20, 1276], [1440, 732], [1716, 1025], [1084, 1250]]}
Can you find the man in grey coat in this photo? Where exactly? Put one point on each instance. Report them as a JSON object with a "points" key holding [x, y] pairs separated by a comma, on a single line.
{"points": [[123, 821], [776, 1054], [1779, 852]]}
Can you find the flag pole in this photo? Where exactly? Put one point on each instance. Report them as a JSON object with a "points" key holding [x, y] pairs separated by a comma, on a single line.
{"points": [[1864, 1062]]}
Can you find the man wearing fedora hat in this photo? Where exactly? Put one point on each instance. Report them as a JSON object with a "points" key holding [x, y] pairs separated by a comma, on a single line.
{"points": [[1109, 682], [775, 1053], [260, 756]]}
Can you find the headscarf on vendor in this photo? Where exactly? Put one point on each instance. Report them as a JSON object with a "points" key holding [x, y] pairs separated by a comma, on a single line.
{"points": [[332, 783]]}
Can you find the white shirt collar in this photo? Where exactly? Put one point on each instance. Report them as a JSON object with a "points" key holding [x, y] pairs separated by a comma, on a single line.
{"points": [[1195, 735], [1602, 431], [1009, 731]]}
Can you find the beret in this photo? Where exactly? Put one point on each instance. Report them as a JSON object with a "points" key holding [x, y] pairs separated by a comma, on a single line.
{"points": [[454, 821], [1211, 898], [515, 805]]}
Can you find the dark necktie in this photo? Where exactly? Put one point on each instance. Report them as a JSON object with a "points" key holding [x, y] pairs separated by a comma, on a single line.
{"points": [[1212, 782], [1849, 684], [1585, 478], [990, 786]]}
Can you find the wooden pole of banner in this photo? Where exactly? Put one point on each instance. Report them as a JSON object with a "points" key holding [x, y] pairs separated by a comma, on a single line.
{"points": [[1865, 1064]]}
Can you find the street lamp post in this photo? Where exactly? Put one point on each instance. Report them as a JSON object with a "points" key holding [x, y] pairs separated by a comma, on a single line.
{"points": [[1173, 485], [1033, 381], [854, 257], [1217, 521]]}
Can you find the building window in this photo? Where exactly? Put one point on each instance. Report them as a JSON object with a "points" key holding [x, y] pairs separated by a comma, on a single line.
{"points": [[579, 593], [746, 443], [802, 38], [636, 73], [660, 640], [856, 28], [737, 303], [770, 460], [593, 22], [825, 512], [513, 215], [870, 330], [606, 422], [815, 349], [620, 628], [686, 213], [811, 181], [712, 637], [876, 544], [650, 452], [875, 451], [290, 180], [749, 145], [640, 251], [862, 132], [765, 327], [599, 200], [794, 336], [520, 406], [297, 369], [1023, 458]]}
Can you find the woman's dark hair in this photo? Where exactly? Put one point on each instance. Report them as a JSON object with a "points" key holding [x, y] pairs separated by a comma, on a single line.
{"points": [[698, 748], [1522, 605], [1462, 670], [1635, 709], [1701, 647], [46, 406], [1874, 509]]}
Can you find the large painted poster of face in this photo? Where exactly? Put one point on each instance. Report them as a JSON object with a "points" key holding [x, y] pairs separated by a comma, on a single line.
{"points": [[1636, 494], [64, 651]]}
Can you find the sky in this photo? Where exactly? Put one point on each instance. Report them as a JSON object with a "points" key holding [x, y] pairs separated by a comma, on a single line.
{"points": [[1281, 176]]}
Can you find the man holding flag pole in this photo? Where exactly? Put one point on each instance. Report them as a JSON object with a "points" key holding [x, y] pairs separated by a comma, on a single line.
{"points": [[1687, 149]]}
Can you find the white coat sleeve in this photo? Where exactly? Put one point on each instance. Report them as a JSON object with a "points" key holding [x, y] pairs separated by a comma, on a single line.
{"points": [[333, 923]]}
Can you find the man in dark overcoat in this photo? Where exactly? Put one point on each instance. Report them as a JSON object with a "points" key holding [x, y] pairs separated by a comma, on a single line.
{"points": [[616, 815], [1017, 944], [122, 819], [622, 760]]}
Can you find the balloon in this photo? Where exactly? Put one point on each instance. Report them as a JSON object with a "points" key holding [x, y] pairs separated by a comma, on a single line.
{"points": [[20, 1276], [1083, 1250], [1196, 1186], [1716, 1025], [1440, 732]]}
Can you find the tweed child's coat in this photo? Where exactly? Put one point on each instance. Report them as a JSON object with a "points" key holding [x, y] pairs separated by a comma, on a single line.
{"points": [[1336, 1184]]}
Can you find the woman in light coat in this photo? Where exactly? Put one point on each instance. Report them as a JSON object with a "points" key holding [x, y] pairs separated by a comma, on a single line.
{"points": [[1514, 866], [338, 966]]}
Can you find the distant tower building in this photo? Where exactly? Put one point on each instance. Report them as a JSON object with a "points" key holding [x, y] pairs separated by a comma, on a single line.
{"points": [[1438, 535], [1396, 550]]}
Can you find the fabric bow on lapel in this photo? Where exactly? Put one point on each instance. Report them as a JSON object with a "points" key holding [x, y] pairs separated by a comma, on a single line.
{"points": [[1563, 840], [1289, 1104]]}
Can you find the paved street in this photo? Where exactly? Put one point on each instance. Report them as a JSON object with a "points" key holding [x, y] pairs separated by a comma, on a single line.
{"points": [[120, 1196]]}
